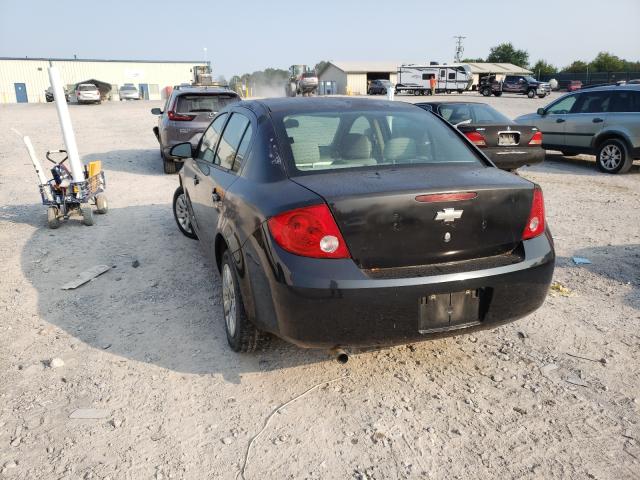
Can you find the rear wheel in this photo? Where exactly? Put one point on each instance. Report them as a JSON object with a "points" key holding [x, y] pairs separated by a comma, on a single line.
{"points": [[370, 92], [168, 164], [53, 220], [416, 92], [486, 92], [531, 93], [498, 94], [181, 213], [613, 157], [460, 91], [242, 335], [542, 95]]}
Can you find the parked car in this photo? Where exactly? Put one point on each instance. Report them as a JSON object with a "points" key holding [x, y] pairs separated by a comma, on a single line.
{"points": [[601, 121], [340, 222], [379, 87], [574, 85], [187, 112], [129, 92], [507, 144], [87, 93], [519, 84], [48, 95]]}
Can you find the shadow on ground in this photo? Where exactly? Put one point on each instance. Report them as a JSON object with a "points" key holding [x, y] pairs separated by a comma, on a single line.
{"points": [[165, 312], [556, 163]]}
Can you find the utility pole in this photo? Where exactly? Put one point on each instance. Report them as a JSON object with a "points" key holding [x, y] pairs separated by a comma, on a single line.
{"points": [[459, 48]]}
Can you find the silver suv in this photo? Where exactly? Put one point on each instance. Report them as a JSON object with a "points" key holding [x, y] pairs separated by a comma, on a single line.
{"points": [[187, 113], [601, 121]]}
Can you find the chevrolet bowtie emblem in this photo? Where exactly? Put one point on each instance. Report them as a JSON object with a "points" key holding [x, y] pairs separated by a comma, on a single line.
{"points": [[448, 215]]}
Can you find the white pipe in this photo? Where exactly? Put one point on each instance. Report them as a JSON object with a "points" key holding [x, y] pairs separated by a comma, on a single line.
{"points": [[390, 91], [77, 172], [37, 165]]}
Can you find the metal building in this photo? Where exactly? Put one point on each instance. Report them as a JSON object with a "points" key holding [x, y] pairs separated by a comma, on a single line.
{"points": [[25, 80]]}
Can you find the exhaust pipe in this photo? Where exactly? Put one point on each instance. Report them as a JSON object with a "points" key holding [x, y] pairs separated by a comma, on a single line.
{"points": [[340, 355]]}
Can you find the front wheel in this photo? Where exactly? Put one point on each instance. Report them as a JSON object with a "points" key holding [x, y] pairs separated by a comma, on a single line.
{"points": [[87, 214], [53, 217], [486, 92], [242, 335], [542, 95], [182, 214], [102, 206], [613, 157], [498, 94]]}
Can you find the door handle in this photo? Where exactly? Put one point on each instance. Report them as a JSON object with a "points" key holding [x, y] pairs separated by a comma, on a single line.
{"points": [[215, 196], [597, 120], [196, 179], [560, 120]]}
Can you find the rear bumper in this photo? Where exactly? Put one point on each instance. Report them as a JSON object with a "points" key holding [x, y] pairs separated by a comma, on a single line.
{"points": [[514, 157], [328, 303]]}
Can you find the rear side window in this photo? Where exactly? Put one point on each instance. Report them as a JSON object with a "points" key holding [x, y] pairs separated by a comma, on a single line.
{"points": [[243, 149], [231, 140], [203, 103], [210, 138], [625, 101], [456, 113], [592, 102]]}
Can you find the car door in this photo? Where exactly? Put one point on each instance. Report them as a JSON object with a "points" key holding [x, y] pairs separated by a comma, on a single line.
{"points": [[198, 183], [510, 84], [552, 123], [587, 117], [213, 187]]}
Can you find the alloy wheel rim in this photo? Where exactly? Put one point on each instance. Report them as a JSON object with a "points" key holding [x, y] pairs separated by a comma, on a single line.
{"points": [[182, 214], [228, 300], [611, 157]]}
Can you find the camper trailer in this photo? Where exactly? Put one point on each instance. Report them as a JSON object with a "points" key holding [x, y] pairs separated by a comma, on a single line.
{"points": [[415, 79]]}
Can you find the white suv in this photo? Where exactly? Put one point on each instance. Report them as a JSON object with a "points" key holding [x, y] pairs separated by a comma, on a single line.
{"points": [[87, 93]]}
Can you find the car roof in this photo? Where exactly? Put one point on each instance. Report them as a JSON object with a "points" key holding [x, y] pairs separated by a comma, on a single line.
{"points": [[203, 89], [606, 88], [451, 103], [310, 104]]}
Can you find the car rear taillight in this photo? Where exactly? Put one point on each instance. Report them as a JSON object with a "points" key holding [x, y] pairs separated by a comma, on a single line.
{"points": [[309, 232], [536, 139], [179, 117], [476, 138], [535, 223]]}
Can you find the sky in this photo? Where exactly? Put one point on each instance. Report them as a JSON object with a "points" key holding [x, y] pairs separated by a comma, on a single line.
{"points": [[244, 36]]}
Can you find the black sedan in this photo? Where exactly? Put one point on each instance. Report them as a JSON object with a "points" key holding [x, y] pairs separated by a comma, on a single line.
{"points": [[508, 145], [355, 222]]}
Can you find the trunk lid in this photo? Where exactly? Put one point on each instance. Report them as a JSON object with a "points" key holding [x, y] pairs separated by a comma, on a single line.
{"points": [[385, 226]]}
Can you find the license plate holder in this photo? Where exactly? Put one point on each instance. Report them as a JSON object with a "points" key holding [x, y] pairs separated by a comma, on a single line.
{"points": [[447, 311], [507, 139]]}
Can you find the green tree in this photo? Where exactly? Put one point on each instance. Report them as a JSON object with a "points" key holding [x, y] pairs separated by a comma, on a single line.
{"points": [[506, 53], [606, 62], [578, 66], [541, 67], [472, 60], [321, 65]]}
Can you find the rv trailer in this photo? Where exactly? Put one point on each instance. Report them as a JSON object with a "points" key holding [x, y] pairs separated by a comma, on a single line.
{"points": [[415, 79]]}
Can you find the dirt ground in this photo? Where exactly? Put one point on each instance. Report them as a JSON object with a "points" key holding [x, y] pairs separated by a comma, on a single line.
{"points": [[554, 395]]}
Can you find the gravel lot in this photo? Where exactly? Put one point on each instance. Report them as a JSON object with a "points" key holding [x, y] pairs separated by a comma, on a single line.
{"points": [[554, 395]]}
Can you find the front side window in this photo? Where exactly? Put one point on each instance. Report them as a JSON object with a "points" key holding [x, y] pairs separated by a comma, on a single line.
{"points": [[231, 140], [207, 149], [562, 106], [326, 141]]}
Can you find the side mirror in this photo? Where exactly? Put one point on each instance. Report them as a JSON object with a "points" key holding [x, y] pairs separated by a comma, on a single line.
{"points": [[181, 150], [156, 111], [540, 112]]}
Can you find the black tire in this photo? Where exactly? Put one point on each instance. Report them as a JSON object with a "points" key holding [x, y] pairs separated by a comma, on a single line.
{"points": [[531, 93], [87, 214], [613, 156], [497, 94], [168, 164], [460, 91], [542, 95], [485, 92], [370, 92], [242, 335], [53, 219], [416, 92], [182, 215], [102, 206]]}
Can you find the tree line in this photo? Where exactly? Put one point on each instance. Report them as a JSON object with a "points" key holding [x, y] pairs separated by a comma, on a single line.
{"points": [[603, 62]]}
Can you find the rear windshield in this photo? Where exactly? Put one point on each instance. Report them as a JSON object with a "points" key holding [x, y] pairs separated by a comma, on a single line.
{"points": [[128, 87], [309, 75], [203, 103], [84, 88], [350, 139], [471, 113]]}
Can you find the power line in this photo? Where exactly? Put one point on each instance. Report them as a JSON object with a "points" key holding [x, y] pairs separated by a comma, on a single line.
{"points": [[459, 47]]}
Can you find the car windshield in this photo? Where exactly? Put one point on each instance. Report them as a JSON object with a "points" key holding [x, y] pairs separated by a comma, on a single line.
{"points": [[203, 103], [476, 113], [333, 140], [530, 79]]}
